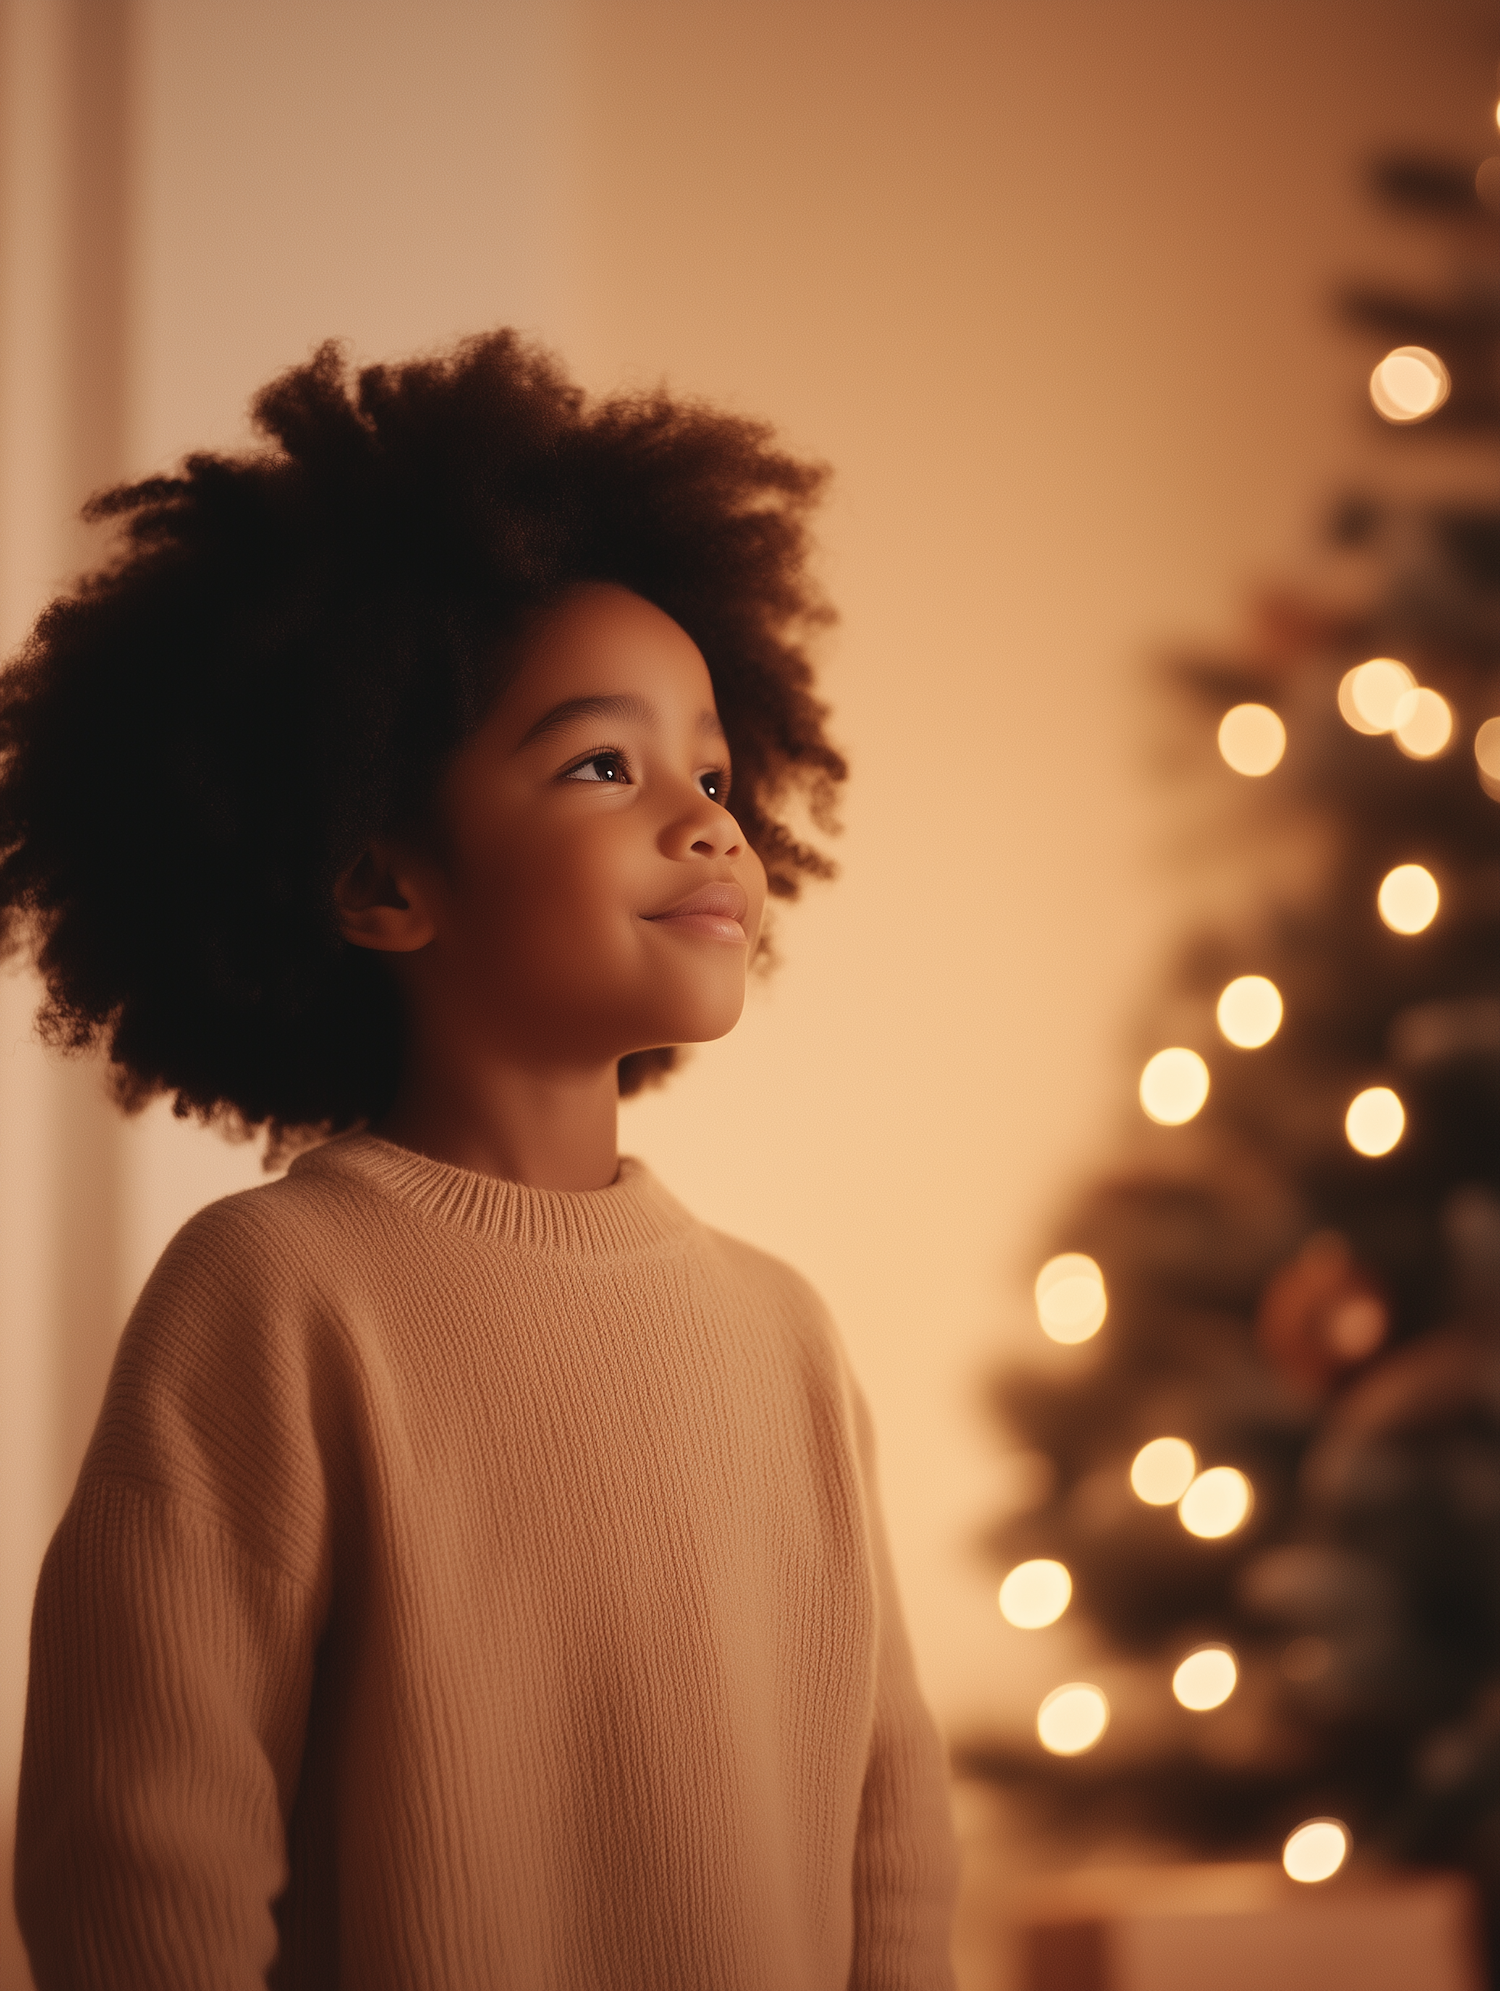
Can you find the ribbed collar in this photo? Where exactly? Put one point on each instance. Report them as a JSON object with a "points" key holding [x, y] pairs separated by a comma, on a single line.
{"points": [[633, 1216]]}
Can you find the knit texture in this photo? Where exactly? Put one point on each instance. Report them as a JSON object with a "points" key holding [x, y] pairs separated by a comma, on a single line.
{"points": [[476, 1588]]}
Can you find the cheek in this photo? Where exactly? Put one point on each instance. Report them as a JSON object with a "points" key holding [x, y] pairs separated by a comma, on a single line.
{"points": [[554, 904]]}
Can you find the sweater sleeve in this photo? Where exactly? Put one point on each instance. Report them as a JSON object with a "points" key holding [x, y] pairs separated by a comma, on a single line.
{"points": [[905, 1858], [172, 1650]]}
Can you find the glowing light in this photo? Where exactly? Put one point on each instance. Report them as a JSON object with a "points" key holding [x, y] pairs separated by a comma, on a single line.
{"points": [[1249, 1012], [1408, 898], [1161, 1472], [1370, 693], [1206, 1678], [1316, 1850], [1251, 738], [1409, 385], [1072, 1719], [1035, 1594], [1216, 1503], [1356, 1327], [1070, 1298], [1424, 723], [1487, 748], [1487, 181], [1174, 1086], [1375, 1121]]}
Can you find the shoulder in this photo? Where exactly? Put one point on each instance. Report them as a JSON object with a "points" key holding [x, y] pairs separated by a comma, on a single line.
{"points": [[233, 1376], [237, 1243], [283, 1242], [765, 1273], [253, 1293], [784, 1298]]}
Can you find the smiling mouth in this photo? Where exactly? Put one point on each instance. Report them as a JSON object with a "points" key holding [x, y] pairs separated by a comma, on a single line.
{"points": [[716, 911]]}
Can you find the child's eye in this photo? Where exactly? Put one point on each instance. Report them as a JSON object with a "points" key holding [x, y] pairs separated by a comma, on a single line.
{"points": [[607, 766], [715, 783]]}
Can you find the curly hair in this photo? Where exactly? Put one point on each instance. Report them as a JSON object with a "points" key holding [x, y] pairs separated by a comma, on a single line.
{"points": [[285, 649]]}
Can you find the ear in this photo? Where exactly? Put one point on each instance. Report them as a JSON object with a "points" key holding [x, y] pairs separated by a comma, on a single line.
{"points": [[380, 902]]}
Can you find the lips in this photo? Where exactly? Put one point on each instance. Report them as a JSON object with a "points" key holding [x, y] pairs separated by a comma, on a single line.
{"points": [[715, 910]]}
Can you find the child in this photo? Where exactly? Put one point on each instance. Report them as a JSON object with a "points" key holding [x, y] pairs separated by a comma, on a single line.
{"points": [[475, 1578]]}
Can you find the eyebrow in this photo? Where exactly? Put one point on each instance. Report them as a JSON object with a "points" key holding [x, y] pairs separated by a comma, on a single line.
{"points": [[611, 705]]}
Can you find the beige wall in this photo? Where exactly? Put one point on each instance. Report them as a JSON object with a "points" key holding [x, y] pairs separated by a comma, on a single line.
{"points": [[1044, 280]]}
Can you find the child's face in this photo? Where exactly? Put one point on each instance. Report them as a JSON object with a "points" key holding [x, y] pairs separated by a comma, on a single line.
{"points": [[594, 896]]}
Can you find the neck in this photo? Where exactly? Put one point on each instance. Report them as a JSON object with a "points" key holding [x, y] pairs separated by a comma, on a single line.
{"points": [[546, 1129]]}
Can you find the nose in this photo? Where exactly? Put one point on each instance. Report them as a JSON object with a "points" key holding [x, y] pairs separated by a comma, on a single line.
{"points": [[703, 828]]}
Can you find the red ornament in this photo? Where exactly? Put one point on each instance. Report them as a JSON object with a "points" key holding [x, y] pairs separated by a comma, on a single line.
{"points": [[1321, 1315]]}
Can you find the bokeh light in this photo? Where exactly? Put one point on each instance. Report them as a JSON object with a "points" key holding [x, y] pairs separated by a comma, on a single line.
{"points": [[1162, 1472], [1487, 754], [1316, 1850], [1035, 1594], [1070, 1298], [1409, 384], [1206, 1678], [1174, 1086], [1216, 1503], [1375, 1121], [1251, 738], [1408, 898], [1357, 1326], [1072, 1718], [1424, 723], [1487, 181], [1249, 1012], [1370, 693]]}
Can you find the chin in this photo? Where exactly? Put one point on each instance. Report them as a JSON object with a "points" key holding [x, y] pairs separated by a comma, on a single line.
{"points": [[696, 1023]]}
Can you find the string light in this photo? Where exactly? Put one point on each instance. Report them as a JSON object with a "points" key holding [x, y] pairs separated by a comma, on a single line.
{"points": [[1072, 1718], [1409, 384], [1382, 696], [1316, 1850], [1249, 1012], [1206, 1678], [1070, 1298], [1161, 1472], [1217, 1502], [1487, 751], [1252, 739], [1174, 1086], [1424, 723], [1035, 1594], [1375, 1121], [1370, 693], [1408, 898]]}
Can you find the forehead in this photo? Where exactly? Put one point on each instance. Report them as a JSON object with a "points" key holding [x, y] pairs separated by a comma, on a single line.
{"points": [[604, 641]]}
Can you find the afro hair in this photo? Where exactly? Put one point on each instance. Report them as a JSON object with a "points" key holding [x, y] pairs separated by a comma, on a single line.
{"points": [[285, 649]]}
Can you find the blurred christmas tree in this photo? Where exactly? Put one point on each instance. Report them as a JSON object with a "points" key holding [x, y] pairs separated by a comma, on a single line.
{"points": [[1274, 1437]]}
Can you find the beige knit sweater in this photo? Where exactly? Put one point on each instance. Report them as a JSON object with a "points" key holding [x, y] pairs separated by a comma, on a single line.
{"points": [[476, 1588]]}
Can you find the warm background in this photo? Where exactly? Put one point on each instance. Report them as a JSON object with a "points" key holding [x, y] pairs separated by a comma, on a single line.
{"points": [[1045, 281]]}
